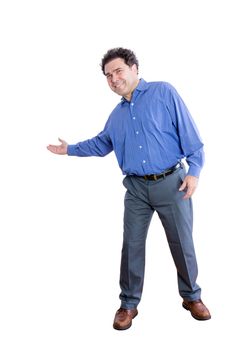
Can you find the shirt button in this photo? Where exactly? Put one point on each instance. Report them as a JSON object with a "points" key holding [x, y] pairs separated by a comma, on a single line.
{"points": [[134, 118], [137, 132], [140, 146], [144, 161], [132, 104]]}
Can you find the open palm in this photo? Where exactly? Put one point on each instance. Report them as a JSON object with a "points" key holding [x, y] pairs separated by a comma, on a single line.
{"points": [[59, 149]]}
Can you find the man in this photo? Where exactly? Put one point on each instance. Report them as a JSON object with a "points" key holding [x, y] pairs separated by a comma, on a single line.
{"points": [[150, 131]]}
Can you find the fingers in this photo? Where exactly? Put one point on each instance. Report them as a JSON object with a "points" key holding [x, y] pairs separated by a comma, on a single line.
{"points": [[189, 184], [183, 186], [62, 141], [189, 193], [190, 190], [52, 148], [59, 149]]}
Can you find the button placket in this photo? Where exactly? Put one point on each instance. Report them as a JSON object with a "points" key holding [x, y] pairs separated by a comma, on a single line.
{"points": [[137, 132]]}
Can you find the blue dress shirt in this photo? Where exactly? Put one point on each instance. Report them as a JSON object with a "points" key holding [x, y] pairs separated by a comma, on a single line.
{"points": [[149, 134]]}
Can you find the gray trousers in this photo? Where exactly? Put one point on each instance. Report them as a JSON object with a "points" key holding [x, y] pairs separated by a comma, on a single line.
{"points": [[142, 198]]}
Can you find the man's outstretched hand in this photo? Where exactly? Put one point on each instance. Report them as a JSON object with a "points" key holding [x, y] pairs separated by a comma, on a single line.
{"points": [[60, 149]]}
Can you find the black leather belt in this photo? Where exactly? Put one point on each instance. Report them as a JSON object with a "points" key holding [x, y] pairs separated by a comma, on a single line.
{"points": [[167, 172]]}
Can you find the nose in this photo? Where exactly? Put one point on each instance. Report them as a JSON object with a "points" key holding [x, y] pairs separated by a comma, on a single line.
{"points": [[114, 78]]}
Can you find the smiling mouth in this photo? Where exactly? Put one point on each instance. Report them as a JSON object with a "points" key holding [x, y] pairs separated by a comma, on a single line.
{"points": [[118, 85]]}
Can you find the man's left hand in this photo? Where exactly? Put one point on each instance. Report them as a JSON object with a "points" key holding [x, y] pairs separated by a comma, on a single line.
{"points": [[189, 185]]}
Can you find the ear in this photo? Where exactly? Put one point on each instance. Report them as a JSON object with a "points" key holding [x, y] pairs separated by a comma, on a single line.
{"points": [[134, 68]]}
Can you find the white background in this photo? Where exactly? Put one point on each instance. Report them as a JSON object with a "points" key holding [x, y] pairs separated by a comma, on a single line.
{"points": [[61, 217]]}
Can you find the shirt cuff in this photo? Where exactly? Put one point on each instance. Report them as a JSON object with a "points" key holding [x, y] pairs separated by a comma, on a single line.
{"points": [[71, 150], [194, 171]]}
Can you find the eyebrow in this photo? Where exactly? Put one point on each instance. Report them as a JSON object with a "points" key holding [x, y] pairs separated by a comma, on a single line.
{"points": [[107, 74]]}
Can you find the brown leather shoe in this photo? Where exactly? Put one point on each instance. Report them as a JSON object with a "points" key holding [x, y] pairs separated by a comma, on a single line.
{"points": [[198, 310], [123, 318]]}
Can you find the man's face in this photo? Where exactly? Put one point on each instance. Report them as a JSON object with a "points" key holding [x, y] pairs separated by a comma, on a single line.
{"points": [[121, 78]]}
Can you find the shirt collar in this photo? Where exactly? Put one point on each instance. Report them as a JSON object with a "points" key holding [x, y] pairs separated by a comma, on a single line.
{"points": [[142, 85]]}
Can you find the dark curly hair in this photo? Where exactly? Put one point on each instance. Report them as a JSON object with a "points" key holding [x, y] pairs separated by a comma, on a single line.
{"points": [[127, 55]]}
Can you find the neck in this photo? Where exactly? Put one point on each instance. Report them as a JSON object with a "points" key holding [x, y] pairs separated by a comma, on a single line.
{"points": [[129, 95]]}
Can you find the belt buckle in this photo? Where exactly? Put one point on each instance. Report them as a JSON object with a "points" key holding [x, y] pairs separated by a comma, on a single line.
{"points": [[155, 177]]}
